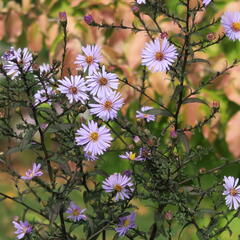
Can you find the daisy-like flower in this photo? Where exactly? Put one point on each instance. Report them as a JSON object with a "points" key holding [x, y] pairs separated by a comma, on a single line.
{"points": [[141, 1], [159, 55], [16, 59], [76, 213], [34, 172], [91, 58], [126, 223], [96, 139], [43, 95], [121, 184], [90, 157], [231, 24], [22, 228], [107, 107], [102, 83], [232, 192], [144, 115], [74, 88], [206, 2], [131, 156]]}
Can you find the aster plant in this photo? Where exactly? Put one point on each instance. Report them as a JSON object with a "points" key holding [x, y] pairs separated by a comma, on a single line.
{"points": [[92, 147]]}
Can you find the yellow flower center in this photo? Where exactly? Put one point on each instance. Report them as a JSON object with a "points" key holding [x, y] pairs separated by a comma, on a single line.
{"points": [[126, 223], [233, 192], [159, 56], [108, 105], [94, 136], [103, 81], [73, 90], [89, 59], [75, 212], [236, 26], [118, 188], [145, 115], [132, 156]]}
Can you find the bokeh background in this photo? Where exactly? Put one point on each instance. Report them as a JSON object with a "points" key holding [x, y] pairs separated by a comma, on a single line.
{"points": [[34, 24]]}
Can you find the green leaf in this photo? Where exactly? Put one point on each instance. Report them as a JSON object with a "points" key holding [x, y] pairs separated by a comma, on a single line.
{"points": [[200, 60], [59, 127], [194, 100], [158, 111]]}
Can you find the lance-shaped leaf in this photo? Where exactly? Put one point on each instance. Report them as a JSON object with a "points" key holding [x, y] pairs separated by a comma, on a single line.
{"points": [[194, 100], [158, 111]]}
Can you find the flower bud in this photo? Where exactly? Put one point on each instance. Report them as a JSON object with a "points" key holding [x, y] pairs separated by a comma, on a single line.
{"points": [[2, 113], [215, 104], [135, 9], [62, 17], [173, 133], [202, 170], [88, 19], [211, 36], [168, 215], [164, 35]]}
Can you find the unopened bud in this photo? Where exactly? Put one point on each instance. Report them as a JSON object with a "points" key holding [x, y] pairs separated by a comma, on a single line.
{"points": [[62, 17], [202, 170], [164, 35], [136, 139], [2, 113], [173, 133], [135, 8], [215, 104], [88, 19], [168, 215], [211, 36], [150, 142]]}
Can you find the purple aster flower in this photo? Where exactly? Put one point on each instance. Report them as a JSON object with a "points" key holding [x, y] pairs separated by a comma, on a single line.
{"points": [[17, 58], [96, 139], [22, 228], [101, 83], [76, 213], [91, 58], [121, 184], [90, 157], [206, 2], [159, 55], [231, 24], [126, 223], [107, 106], [144, 115], [232, 192], [74, 88], [34, 172], [43, 95], [131, 156]]}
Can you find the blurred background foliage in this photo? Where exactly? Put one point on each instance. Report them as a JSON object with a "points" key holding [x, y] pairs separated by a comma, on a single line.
{"points": [[34, 24]]}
